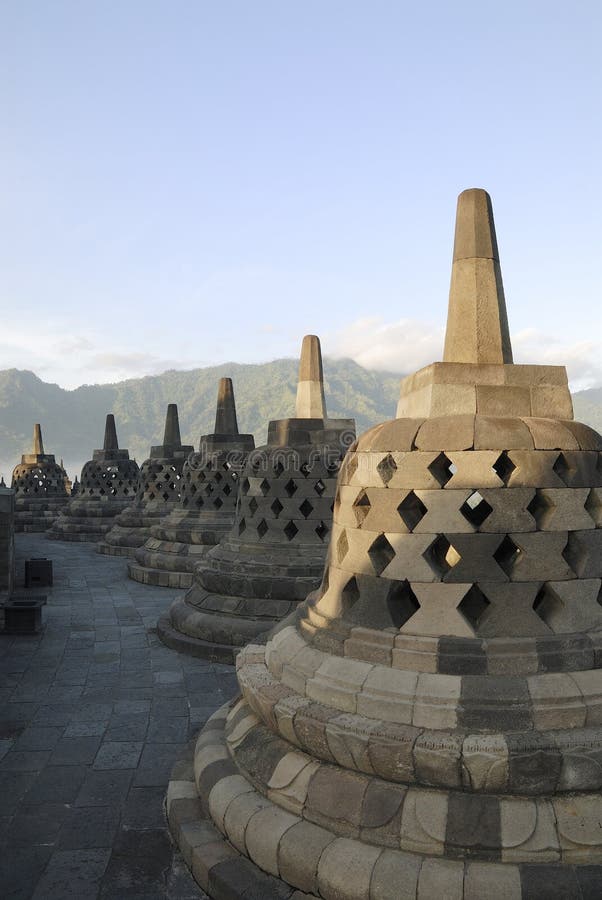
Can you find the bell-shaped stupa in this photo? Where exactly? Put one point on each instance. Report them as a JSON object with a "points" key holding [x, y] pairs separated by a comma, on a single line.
{"points": [[108, 485], [428, 723], [207, 504], [274, 553], [157, 495], [39, 485]]}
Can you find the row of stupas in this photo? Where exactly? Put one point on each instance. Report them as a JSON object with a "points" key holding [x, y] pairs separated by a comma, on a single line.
{"points": [[423, 719]]}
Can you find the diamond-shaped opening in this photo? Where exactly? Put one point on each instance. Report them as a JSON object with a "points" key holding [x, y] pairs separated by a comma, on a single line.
{"points": [[319, 487], [387, 468], [322, 530], [562, 468], [540, 508], [507, 555], [264, 487], [242, 525], [306, 508], [226, 466], [253, 504], [278, 468], [325, 582], [548, 605], [290, 530], [276, 507], [304, 469], [401, 603], [218, 477], [574, 553], [476, 509], [412, 510], [442, 469], [262, 528], [165, 495], [504, 467], [361, 507], [245, 486], [290, 487], [218, 502], [381, 553], [441, 556], [473, 605], [593, 506], [227, 490], [342, 546], [350, 595]]}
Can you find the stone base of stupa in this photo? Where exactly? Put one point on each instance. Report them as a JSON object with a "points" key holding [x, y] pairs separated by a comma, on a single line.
{"points": [[256, 816], [37, 515], [130, 530], [86, 520], [236, 599], [170, 554]]}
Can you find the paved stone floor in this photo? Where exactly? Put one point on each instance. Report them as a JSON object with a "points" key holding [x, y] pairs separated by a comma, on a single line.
{"points": [[93, 713]]}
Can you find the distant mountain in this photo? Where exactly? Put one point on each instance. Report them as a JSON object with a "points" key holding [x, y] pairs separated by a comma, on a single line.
{"points": [[73, 421]]}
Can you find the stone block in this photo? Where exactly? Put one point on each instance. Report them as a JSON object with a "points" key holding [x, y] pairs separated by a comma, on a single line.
{"points": [[345, 869], [435, 705], [497, 432], [443, 433], [395, 876], [299, 854], [263, 835], [442, 878], [238, 815], [223, 793], [493, 881], [485, 763], [424, 821], [388, 694], [528, 831], [551, 402], [503, 400]]}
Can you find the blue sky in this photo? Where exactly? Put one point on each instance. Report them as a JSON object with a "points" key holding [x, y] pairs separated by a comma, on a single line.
{"points": [[186, 183]]}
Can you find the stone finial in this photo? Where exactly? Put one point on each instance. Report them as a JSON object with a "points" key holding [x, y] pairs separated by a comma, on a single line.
{"points": [[110, 441], [477, 321], [310, 388], [171, 438], [38, 443], [225, 413]]}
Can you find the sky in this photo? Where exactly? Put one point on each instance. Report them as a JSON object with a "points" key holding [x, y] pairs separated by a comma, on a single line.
{"points": [[189, 183]]}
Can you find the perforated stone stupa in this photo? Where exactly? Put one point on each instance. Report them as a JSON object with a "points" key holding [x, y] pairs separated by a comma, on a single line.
{"points": [[39, 485], [207, 504], [108, 485], [428, 723], [157, 495], [274, 554]]}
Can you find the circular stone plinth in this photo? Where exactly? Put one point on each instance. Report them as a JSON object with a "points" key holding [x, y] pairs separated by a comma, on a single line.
{"points": [[159, 577], [183, 643]]}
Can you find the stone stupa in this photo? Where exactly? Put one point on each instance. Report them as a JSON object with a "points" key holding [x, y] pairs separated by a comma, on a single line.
{"points": [[275, 551], [428, 724], [157, 495], [39, 485], [207, 504], [108, 485]]}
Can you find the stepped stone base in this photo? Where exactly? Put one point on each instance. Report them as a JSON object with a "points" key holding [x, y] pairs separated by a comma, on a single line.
{"points": [[183, 643], [239, 843], [159, 577], [85, 520], [37, 516]]}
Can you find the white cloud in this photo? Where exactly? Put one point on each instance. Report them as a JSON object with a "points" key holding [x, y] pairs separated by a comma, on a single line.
{"points": [[402, 346], [408, 344]]}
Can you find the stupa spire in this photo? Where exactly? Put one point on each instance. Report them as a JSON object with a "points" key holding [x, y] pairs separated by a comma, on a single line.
{"points": [[310, 388], [477, 321], [171, 437], [225, 414], [110, 441], [38, 443]]}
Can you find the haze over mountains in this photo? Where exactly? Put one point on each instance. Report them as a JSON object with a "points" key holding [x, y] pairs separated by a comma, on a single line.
{"points": [[73, 421]]}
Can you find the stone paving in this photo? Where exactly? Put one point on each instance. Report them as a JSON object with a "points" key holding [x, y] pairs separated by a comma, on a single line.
{"points": [[93, 714]]}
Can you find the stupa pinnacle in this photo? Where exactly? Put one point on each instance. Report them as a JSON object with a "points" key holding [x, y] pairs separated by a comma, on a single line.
{"points": [[427, 724], [206, 506]]}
